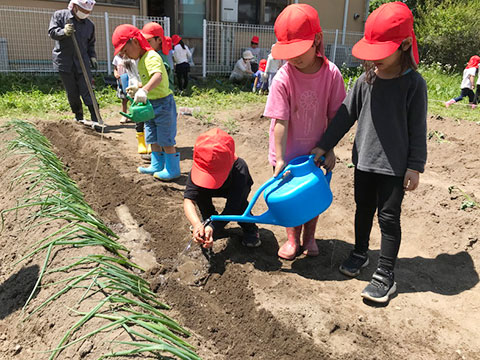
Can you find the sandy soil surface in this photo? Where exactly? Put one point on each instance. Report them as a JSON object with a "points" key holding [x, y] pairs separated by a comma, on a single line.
{"points": [[247, 303]]}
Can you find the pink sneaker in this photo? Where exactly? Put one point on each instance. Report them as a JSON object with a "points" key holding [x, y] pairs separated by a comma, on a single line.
{"points": [[450, 102]]}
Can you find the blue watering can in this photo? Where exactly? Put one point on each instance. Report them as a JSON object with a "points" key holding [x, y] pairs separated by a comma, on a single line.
{"points": [[292, 200]]}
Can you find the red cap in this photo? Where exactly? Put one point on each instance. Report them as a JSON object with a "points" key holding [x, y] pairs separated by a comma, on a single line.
{"points": [[125, 32], [262, 65], [152, 29], [255, 39], [213, 158], [176, 39], [385, 30], [166, 45], [473, 62], [295, 29]]}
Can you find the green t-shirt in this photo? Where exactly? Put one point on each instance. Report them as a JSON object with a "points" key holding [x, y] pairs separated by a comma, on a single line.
{"points": [[171, 83], [148, 65]]}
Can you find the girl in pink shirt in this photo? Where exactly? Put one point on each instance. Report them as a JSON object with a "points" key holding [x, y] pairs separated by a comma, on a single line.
{"points": [[307, 92]]}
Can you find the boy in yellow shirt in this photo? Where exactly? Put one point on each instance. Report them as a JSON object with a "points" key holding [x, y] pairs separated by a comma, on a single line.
{"points": [[160, 132]]}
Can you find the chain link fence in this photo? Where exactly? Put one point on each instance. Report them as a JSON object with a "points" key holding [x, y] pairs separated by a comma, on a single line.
{"points": [[223, 44], [26, 47]]}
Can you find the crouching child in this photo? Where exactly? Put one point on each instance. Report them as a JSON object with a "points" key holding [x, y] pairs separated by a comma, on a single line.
{"points": [[217, 172]]}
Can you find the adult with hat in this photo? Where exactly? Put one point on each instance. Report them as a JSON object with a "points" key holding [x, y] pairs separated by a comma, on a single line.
{"points": [[181, 58], [64, 24], [217, 172], [255, 52], [242, 69]]}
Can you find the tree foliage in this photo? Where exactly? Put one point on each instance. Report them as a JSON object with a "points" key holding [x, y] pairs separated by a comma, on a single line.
{"points": [[447, 31]]}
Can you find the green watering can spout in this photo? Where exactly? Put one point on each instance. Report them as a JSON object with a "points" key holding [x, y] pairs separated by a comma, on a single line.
{"points": [[126, 115]]}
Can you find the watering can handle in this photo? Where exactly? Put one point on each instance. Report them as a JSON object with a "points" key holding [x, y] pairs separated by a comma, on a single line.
{"points": [[133, 101], [328, 174]]}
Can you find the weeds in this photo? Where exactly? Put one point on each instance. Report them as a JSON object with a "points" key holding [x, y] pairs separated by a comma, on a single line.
{"points": [[468, 201], [438, 136]]}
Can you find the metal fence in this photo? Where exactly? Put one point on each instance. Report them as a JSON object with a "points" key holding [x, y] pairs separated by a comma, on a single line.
{"points": [[26, 47], [223, 44]]}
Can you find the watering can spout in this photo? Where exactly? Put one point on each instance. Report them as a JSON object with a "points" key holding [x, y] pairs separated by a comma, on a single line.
{"points": [[129, 116], [265, 218]]}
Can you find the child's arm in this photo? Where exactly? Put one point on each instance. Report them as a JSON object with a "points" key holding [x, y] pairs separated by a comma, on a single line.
{"points": [[141, 93], [417, 136], [201, 234], [472, 81], [115, 72], [280, 132]]}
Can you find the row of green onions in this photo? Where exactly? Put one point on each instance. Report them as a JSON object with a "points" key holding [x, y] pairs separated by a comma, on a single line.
{"points": [[127, 302]]}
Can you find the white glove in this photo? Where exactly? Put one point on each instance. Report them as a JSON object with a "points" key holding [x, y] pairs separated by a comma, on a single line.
{"points": [[132, 90], [68, 29], [141, 96]]}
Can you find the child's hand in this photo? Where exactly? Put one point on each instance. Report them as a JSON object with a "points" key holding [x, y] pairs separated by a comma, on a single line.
{"points": [[318, 154], [132, 90], [411, 180], [279, 166], [203, 235], [68, 29], [141, 96], [330, 160]]}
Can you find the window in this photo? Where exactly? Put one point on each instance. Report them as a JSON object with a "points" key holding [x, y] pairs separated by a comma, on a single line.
{"points": [[191, 14], [135, 3], [272, 9], [248, 11]]}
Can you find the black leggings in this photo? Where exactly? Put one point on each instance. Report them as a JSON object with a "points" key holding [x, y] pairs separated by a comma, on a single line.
{"points": [[466, 92], [182, 75], [385, 193], [477, 95]]}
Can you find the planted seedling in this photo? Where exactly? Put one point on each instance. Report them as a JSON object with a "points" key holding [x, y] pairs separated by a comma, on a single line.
{"points": [[468, 201]]}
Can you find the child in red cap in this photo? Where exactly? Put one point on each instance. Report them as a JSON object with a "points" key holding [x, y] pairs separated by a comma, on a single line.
{"points": [[389, 103], [261, 80], [154, 34], [255, 50], [306, 94], [468, 83], [182, 57], [160, 132], [217, 172]]}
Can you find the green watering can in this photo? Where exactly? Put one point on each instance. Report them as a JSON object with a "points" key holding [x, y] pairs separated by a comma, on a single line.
{"points": [[139, 112]]}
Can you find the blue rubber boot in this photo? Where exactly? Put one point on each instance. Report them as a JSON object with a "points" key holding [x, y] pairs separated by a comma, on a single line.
{"points": [[157, 163], [172, 168]]}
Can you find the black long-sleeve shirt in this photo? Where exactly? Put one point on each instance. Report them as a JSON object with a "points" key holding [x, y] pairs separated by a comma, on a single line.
{"points": [[391, 132], [64, 56]]}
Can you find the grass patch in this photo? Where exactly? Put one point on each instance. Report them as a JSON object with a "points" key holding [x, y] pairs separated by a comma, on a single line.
{"points": [[29, 95]]}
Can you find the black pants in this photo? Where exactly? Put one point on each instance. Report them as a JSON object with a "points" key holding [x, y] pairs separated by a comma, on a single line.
{"points": [[76, 87], [477, 95], [233, 206], [466, 92], [182, 75], [385, 193]]}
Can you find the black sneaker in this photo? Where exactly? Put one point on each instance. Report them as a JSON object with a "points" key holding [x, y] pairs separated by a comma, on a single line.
{"points": [[251, 239], [381, 287], [354, 263]]}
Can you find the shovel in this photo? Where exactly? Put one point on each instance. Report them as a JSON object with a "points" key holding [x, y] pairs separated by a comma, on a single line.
{"points": [[100, 125]]}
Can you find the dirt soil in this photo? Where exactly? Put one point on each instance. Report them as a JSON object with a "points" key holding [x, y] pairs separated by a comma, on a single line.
{"points": [[247, 303]]}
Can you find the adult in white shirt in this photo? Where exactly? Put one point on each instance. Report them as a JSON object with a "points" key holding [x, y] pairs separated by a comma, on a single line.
{"points": [[242, 69], [181, 55]]}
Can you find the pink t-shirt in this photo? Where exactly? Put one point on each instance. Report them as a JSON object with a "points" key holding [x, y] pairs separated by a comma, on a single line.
{"points": [[308, 102]]}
